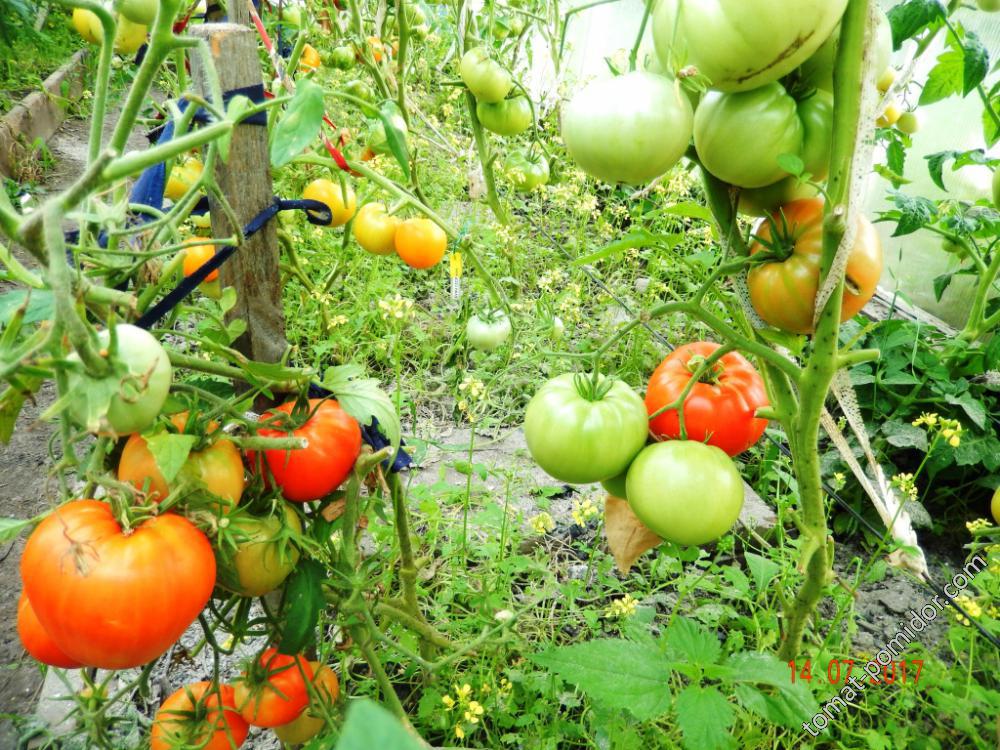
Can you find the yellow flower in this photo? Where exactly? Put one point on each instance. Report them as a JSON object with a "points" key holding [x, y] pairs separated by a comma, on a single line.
{"points": [[970, 605], [929, 419], [397, 308], [542, 523], [459, 732], [906, 484], [974, 526], [584, 511], [621, 609], [448, 701], [463, 692]]}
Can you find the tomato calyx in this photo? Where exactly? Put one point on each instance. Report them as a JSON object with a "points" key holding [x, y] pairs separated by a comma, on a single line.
{"points": [[781, 240], [711, 374], [593, 387]]}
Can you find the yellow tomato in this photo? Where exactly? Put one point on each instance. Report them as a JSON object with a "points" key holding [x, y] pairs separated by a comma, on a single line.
{"points": [[340, 200], [886, 79], [375, 230], [129, 37], [309, 60], [182, 177], [87, 25], [420, 243], [890, 117]]}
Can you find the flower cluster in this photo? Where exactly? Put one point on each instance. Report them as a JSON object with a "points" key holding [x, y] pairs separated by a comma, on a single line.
{"points": [[907, 485], [552, 278], [396, 309], [542, 523], [949, 429], [979, 523], [473, 392], [970, 605], [621, 609], [466, 709], [583, 511]]}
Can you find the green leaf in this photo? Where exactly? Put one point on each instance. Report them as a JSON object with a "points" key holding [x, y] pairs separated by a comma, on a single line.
{"points": [[762, 569], [368, 726], [904, 435], [991, 115], [936, 162], [794, 703], [704, 716], [11, 528], [634, 239], [692, 642], [972, 406], [945, 79], [691, 211], [941, 284], [911, 17], [302, 605], [300, 124], [791, 163], [40, 305], [395, 134], [620, 673], [363, 399], [170, 451], [914, 213], [11, 401], [976, 63]]}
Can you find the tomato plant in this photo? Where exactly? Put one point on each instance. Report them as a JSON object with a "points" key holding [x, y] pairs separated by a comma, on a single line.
{"points": [[217, 468], [420, 243], [742, 44], [488, 81], [260, 555], [325, 690], [489, 332], [720, 407], [201, 715], [508, 117], [130, 397], [315, 471], [783, 291], [339, 198], [273, 689], [686, 492], [580, 431], [629, 129], [125, 597], [375, 229]]}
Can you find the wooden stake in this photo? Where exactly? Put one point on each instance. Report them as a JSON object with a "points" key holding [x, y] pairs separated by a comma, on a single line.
{"points": [[246, 182]]}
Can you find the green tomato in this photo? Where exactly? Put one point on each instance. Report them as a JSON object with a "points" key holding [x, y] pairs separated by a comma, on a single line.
{"points": [[990, 6], [526, 171], [995, 506], [686, 492], [375, 135], [489, 333], [487, 80], [580, 441], [292, 16], [138, 384], [616, 485], [509, 117], [628, 129], [908, 123], [952, 247], [360, 90], [341, 58], [742, 44], [262, 557], [996, 187], [740, 136], [817, 71], [420, 32], [138, 11]]}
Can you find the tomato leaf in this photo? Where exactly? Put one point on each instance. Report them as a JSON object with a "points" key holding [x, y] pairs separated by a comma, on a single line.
{"points": [[634, 239], [976, 61], [627, 537], [619, 673], [302, 605], [170, 451], [300, 124], [395, 136], [40, 305], [11, 401], [369, 725], [762, 569], [363, 399], [945, 79], [704, 716], [11, 528], [909, 18]]}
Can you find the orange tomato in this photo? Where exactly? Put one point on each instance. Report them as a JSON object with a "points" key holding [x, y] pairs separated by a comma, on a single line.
{"points": [[191, 718], [375, 230], [219, 467], [309, 60], [273, 691], [340, 200], [197, 255], [377, 48], [325, 690], [421, 243], [37, 641]]}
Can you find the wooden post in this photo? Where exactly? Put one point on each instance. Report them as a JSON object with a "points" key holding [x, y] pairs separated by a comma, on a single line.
{"points": [[246, 182]]}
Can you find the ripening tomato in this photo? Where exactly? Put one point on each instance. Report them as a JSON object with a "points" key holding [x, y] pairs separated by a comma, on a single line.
{"points": [[686, 492], [309, 60], [908, 123], [325, 691], [890, 116], [87, 25], [259, 556], [217, 468], [784, 292], [581, 435], [182, 177], [196, 256], [200, 715], [114, 599], [719, 410], [420, 243], [340, 199], [273, 690], [129, 37], [37, 641], [375, 230], [315, 471]]}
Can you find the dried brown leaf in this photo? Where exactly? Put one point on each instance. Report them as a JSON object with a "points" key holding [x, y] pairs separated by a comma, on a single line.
{"points": [[627, 537]]}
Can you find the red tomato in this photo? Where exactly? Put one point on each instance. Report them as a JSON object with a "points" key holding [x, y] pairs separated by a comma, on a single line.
{"points": [[719, 410], [191, 718], [317, 470], [326, 688], [114, 599], [274, 689], [36, 641]]}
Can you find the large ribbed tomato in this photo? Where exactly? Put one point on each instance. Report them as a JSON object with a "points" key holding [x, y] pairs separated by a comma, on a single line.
{"points": [[112, 598], [37, 641], [317, 470], [274, 689], [218, 467], [783, 292], [325, 689], [719, 410], [191, 717]]}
